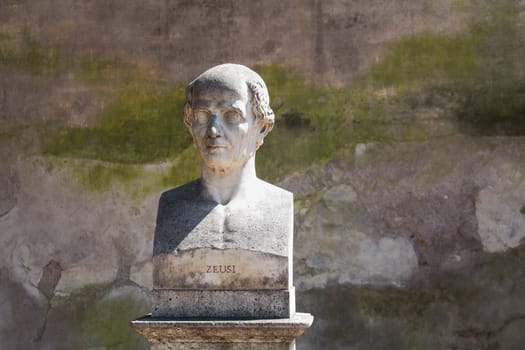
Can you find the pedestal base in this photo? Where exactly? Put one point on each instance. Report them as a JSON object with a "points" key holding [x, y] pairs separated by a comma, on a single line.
{"points": [[233, 304], [193, 334]]}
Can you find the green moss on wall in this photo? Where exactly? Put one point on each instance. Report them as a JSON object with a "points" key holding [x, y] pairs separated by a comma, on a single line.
{"points": [[494, 104], [100, 176], [316, 122], [106, 322], [307, 122], [98, 69], [8, 134], [137, 181], [427, 58], [24, 51], [142, 125], [427, 85], [99, 316], [419, 90]]}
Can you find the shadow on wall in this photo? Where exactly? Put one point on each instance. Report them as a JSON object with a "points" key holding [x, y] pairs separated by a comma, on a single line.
{"points": [[479, 306]]}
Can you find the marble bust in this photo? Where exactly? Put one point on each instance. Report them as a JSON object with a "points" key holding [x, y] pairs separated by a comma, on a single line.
{"points": [[227, 232]]}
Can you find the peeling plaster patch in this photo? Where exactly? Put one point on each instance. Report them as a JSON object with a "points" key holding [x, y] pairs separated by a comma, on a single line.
{"points": [[501, 225], [360, 259], [391, 260], [362, 148], [339, 196], [51, 223], [79, 276], [316, 281]]}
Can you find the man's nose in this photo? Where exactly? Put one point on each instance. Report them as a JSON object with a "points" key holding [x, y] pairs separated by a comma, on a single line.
{"points": [[214, 127]]}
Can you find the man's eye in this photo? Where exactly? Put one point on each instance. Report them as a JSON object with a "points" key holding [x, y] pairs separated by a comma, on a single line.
{"points": [[201, 116], [232, 117]]}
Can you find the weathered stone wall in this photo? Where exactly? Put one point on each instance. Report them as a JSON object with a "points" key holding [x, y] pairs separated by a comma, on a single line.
{"points": [[404, 129]]}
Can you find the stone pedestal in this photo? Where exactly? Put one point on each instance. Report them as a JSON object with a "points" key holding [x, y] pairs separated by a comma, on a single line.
{"points": [[193, 334], [226, 288], [223, 286]]}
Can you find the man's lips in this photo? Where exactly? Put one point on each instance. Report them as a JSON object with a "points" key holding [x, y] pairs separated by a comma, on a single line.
{"points": [[216, 145]]}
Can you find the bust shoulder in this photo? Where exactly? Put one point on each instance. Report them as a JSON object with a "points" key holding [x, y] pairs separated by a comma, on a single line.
{"points": [[188, 191], [191, 191], [186, 220], [275, 190]]}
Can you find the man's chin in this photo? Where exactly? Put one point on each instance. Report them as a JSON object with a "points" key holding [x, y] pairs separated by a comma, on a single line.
{"points": [[222, 162], [216, 161]]}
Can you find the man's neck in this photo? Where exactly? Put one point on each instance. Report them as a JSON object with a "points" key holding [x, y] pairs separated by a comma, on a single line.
{"points": [[223, 185]]}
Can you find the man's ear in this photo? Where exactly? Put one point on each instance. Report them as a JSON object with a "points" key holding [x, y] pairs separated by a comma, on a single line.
{"points": [[264, 129]]}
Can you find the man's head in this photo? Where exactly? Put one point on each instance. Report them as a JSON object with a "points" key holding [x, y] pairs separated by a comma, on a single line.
{"points": [[228, 113]]}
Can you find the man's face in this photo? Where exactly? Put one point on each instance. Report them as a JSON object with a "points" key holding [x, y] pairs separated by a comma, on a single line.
{"points": [[223, 126]]}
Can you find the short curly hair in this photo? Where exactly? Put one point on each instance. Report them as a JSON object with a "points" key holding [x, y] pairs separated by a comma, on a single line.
{"points": [[259, 97]]}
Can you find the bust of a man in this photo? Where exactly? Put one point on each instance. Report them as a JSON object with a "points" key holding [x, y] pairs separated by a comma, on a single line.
{"points": [[227, 230]]}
